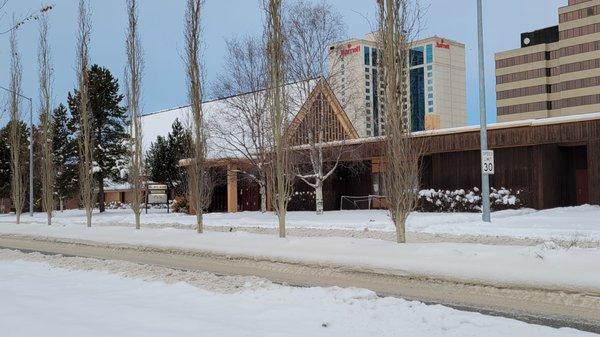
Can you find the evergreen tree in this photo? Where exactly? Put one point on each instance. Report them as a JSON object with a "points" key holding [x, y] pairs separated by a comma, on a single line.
{"points": [[110, 127], [159, 162], [162, 159], [5, 166], [4, 163], [65, 155], [180, 143]]}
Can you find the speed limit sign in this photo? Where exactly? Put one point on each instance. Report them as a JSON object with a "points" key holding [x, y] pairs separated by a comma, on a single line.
{"points": [[487, 162]]}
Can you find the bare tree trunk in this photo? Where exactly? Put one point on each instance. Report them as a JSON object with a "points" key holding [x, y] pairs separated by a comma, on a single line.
{"points": [[263, 195], [133, 76], [17, 163], [192, 62], [86, 179], [281, 180], [397, 21], [45, 82], [311, 28]]}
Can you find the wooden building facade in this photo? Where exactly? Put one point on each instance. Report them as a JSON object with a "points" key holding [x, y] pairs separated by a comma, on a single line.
{"points": [[555, 162]]}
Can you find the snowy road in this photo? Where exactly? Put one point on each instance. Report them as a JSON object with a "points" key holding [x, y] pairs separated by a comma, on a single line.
{"points": [[548, 307], [61, 296]]}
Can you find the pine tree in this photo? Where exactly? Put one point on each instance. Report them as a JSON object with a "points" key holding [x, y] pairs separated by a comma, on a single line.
{"points": [[179, 143], [4, 163], [162, 159], [65, 155], [110, 136], [158, 161]]}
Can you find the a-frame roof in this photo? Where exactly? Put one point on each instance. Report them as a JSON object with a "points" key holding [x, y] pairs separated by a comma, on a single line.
{"points": [[322, 88]]}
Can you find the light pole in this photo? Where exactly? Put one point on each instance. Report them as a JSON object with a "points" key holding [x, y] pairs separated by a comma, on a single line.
{"points": [[30, 146], [485, 180]]}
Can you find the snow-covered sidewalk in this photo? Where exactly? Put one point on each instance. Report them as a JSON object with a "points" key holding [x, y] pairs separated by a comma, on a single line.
{"points": [[565, 224], [41, 300], [543, 266]]}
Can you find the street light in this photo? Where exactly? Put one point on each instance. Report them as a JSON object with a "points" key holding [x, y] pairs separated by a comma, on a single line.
{"points": [[485, 180], [30, 146]]}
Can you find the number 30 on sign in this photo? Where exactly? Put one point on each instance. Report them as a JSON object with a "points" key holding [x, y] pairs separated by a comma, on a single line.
{"points": [[487, 162]]}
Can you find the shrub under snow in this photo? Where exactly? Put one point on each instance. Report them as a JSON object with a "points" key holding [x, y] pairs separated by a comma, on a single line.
{"points": [[467, 200]]}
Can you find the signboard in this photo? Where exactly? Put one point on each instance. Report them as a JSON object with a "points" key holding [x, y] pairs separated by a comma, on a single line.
{"points": [[157, 194], [157, 198], [487, 162], [350, 50], [442, 44]]}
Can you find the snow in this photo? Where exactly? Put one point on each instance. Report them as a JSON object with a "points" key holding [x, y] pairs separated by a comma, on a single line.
{"points": [[562, 224], [41, 300], [159, 123], [544, 266]]}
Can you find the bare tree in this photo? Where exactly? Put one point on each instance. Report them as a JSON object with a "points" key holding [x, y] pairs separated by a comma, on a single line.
{"points": [[398, 22], [310, 30], [16, 23], [46, 132], [133, 78], [85, 145], [280, 174], [194, 75], [17, 161], [241, 128]]}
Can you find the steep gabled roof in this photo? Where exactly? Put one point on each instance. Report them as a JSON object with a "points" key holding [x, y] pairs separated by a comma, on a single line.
{"points": [[342, 121]]}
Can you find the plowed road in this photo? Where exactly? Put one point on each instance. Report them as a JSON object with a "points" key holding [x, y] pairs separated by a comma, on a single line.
{"points": [[552, 308]]}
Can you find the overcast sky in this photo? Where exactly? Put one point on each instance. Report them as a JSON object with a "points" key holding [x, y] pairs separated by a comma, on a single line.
{"points": [[161, 24]]}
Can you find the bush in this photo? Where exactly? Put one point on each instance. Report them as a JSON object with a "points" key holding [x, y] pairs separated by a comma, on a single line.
{"points": [[180, 205], [467, 201]]}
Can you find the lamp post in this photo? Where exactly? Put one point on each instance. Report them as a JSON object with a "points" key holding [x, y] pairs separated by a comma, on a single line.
{"points": [[485, 180], [30, 146]]}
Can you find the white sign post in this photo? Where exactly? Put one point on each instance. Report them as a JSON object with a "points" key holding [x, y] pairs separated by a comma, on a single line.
{"points": [[487, 162]]}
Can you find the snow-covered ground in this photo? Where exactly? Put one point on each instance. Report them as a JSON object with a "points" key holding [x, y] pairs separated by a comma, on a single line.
{"points": [[543, 266], [567, 224], [41, 300]]}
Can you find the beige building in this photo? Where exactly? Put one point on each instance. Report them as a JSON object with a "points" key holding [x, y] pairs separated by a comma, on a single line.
{"points": [[437, 84], [556, 72]]}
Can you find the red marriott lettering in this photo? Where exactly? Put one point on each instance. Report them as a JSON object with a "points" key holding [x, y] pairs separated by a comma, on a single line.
{"points": [[442, 44], [350, 50]]}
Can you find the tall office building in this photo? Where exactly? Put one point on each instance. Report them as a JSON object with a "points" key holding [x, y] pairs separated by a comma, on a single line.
{"points": [[556, 72], [437, 84]]}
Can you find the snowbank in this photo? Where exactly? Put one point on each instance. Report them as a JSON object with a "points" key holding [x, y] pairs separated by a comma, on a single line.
{"points": [[570, 223], [544, 266], [38, 300]]}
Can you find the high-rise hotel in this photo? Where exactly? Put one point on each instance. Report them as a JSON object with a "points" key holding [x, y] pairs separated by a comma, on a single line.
{"points": [[556, 72], [437, 84]]}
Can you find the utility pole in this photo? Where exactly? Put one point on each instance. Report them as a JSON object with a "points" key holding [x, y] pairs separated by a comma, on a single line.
{"points": [[30, 146], [485, 179]]}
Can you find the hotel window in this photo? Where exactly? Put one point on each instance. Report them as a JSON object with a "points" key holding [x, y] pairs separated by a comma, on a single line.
{"points": [[416, 56], [367, 91], [429, 82], [367, 83], [367, 97], [374, 53], [430, 95], [430, 102], [430, 109], [366, 69], [430, 74], [367, 56], [429, 52], [367, 76], [429, 67]]}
